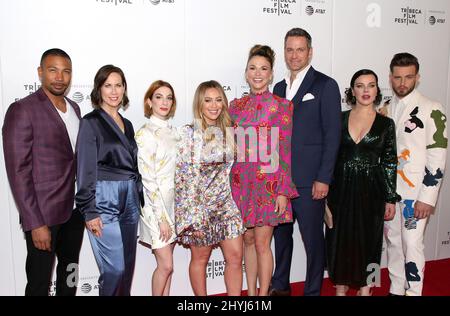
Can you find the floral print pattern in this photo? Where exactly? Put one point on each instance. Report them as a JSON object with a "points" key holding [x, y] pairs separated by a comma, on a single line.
{"points": [[254, 189]]}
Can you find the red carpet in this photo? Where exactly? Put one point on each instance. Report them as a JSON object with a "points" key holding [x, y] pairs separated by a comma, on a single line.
{"points": [[436, 283]]}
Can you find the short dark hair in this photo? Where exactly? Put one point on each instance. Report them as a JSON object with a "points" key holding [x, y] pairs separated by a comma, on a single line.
{"points": [[404, 60], [262, 51], [350, 98], [100, 78], [54, 52], [296, 31]]}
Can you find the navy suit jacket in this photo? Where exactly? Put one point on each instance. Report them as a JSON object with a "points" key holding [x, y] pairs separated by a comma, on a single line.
{"points": [[316, 131]]}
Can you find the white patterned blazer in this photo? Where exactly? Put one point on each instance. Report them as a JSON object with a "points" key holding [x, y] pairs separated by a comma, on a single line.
{"points": [[421, 146]]}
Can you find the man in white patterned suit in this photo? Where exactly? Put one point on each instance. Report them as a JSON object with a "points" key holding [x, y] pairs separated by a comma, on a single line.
{"points": [[421, 148]]}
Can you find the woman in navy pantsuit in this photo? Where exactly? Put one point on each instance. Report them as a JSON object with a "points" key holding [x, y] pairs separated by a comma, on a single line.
{"points": [[109, 185]]}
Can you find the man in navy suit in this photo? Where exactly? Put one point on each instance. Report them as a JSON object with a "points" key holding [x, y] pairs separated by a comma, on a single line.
{"points": [[315, 142]]}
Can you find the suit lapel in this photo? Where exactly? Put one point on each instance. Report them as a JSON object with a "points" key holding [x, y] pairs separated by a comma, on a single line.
{"points": [[403, 118], [51, 110], [405, 114], [283, 89], [75, 107], [116, 129], [306, 84]]}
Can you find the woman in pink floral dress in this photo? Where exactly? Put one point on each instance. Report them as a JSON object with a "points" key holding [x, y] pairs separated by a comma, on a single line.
{"points": [[261, 176]]}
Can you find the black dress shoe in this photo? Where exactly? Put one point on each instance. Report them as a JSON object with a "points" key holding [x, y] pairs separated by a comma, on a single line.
{"points": [[276, 292]]}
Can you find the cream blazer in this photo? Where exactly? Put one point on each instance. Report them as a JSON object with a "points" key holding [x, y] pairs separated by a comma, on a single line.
{"points": [[421, 146]]}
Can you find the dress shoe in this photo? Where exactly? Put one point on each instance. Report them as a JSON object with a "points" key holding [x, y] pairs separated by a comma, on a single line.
{"points": [[277, 292]]}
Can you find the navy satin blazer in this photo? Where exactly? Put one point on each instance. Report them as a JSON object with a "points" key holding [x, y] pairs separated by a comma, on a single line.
{"points": [[316, 130], [104, 153]]}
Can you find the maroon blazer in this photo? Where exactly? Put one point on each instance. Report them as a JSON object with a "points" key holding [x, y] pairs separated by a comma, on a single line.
{"points": [[39, 160]]}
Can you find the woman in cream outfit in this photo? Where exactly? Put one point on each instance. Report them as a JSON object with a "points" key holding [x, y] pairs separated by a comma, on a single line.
{"points": [[157, 142]]}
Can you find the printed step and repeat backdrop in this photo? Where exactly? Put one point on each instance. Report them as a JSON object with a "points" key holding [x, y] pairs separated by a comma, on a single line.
{"points": [[186, 42]]}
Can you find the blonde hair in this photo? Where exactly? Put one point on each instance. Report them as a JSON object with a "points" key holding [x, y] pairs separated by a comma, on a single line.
{"points": [[148, 111], [224, 119]]}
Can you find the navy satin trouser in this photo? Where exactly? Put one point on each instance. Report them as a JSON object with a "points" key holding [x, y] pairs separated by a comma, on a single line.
{"points": [[309, 215], [117, 202]]}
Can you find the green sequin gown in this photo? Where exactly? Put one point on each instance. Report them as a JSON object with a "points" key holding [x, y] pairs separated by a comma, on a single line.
{"points": [[364, 180]]}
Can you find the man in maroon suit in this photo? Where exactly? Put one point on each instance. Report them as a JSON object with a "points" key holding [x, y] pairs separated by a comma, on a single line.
{"points": [[39, 137]]}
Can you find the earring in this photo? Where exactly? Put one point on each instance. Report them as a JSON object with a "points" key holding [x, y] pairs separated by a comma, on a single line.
{"points": [[353, 100]]}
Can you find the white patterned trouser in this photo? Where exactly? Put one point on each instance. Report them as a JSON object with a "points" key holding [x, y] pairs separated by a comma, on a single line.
{"points": [[405, 250]]}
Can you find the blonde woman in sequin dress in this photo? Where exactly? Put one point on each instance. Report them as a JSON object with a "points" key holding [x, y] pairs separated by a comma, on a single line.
{"points": [[157, 142], [205, 213]]}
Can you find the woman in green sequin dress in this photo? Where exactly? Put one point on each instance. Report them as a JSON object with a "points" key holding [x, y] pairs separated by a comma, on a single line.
{"points": [[363, 192]]}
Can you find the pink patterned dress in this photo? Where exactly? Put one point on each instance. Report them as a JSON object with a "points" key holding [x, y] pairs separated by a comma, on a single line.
{"points": [[265, 120]]}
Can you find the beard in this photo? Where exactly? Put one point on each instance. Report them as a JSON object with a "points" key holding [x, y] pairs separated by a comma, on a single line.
{"points": [[401, 93], [57, 91]]}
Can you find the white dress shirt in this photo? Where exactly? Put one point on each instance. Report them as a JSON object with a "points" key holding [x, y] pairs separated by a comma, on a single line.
{"points": [[292, 88]]}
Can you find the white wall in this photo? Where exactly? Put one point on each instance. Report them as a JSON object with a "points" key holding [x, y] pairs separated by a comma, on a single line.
{"points": [[189, 41], [443, 233], [7, 277]]}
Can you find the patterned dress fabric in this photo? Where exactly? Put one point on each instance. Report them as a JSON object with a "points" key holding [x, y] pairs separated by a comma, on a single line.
{"points": [[364, 181], [203, 200], [262, 170], [157, 142]]}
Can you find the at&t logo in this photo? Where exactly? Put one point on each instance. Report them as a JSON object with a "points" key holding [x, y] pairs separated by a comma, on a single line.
{"points": [[86, 288], [309, 10], [78, 97], [436, 17]]}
